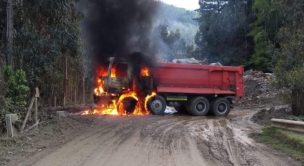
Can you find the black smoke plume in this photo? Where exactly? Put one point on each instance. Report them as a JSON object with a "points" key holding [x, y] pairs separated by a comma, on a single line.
{"points": [[118, 28]]}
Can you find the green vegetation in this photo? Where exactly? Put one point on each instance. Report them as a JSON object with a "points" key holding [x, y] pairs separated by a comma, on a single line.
{"points": [[17, 90], [296, 118], [278, 36], [269, 20], [290, 143], [265, 35], [46, 54], [289, 57], [15, 96], [223, 33]]}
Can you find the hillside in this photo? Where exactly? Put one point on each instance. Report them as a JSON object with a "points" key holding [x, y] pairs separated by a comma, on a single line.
{"points": [[178, 18]]}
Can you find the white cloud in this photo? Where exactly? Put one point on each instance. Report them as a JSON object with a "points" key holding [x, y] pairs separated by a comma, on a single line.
{"points": [[187, 4]]}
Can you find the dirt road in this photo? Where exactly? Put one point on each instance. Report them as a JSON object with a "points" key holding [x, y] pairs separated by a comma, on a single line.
{"points": [[164, 141]]}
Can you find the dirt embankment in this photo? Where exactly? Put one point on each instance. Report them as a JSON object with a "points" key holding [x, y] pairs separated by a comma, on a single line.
{"points": [[260, 90], [264, 116]]}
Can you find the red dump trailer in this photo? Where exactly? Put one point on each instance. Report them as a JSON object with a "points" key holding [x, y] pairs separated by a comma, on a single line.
{"points": [[197, 89]]}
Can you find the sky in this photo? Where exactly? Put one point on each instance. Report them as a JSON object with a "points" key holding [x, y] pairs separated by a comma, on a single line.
{"points": [[188, 4]]}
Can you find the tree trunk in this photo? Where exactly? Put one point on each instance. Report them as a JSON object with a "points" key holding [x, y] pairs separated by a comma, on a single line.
{"points": [[75, 96], [9, 32], [65, 82], [297, 102], [83, 90]]}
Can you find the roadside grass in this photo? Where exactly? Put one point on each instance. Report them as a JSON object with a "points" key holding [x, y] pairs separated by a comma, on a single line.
{"points": [[287, 142]]}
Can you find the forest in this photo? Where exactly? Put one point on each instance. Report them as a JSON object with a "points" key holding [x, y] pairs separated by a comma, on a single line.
{"points": [[42, 45], [265, 35]]}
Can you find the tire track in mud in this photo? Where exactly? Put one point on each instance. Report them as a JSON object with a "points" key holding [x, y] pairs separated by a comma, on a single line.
{"points": [[166, 141], [171, 139], [228, 143]]}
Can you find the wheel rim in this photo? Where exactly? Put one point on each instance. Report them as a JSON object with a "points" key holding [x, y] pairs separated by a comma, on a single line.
{"points": [[222, 107], [201, 107], [156, 106]]}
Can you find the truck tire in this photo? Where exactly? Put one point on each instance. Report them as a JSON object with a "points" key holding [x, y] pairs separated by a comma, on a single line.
{"points": [[221, 107], [198, 106], [157, 105], [127, 106]]}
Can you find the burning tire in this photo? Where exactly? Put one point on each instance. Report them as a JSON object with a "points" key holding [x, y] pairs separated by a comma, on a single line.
{"points": [[198, 106], [127, 106], [221, 107], [157, 105]]}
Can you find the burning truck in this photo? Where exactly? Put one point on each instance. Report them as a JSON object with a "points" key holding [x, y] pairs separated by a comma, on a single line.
{"points": [[132, 84], [139, 89]]}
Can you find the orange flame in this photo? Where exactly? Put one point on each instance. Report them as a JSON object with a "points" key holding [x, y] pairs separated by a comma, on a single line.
{"points": [[100, 83], [145, 72], [99, 91], [116, 107], [113, 73], [148, 98]]}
